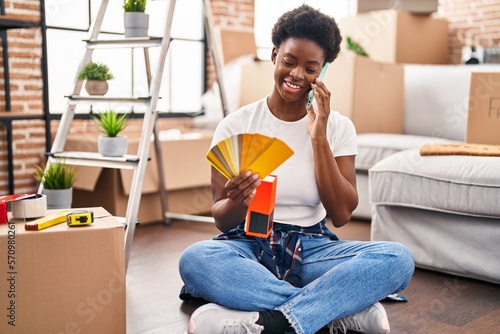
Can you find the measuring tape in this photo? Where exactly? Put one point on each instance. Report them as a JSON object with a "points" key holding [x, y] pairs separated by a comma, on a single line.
{"points": [[72, 218], [80, 218]]}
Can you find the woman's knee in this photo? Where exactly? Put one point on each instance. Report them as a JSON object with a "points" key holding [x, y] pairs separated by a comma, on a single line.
{"points": [[194, 256], [404, 263]]}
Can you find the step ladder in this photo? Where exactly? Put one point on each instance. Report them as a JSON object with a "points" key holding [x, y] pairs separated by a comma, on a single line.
{"points": [[139, 161]]}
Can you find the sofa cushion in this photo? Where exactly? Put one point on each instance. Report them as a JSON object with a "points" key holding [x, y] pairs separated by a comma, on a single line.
{"points": [[373, 147], [468, 185]]}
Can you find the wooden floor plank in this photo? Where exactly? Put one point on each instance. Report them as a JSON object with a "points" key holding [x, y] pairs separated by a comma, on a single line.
{"points": [[438, 303]]}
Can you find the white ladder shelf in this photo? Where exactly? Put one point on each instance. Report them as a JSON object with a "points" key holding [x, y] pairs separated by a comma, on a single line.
{"points": [[139, 161]]}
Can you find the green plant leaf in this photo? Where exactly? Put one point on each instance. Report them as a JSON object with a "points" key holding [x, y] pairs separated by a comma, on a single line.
{"points": [[95, 71], [134, 5], [57, 175], [356, 47], [110, 122]]}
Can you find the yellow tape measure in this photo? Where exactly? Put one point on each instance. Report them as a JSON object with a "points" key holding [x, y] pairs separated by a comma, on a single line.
{"points": [[80, 218]]}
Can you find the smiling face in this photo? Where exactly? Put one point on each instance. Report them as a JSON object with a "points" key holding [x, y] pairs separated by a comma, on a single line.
{"points": [[297, 63]]}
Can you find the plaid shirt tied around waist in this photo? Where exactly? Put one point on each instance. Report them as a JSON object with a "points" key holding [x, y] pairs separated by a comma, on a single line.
{"points": [[281, 252]]}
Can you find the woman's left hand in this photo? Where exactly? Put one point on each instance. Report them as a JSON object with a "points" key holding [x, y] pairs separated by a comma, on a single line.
{"points": [[317, 119]]}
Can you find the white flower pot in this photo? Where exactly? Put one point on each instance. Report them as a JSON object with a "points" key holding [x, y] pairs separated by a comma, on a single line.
{"points": [[112, 146], [136, 24], [58, 198]]}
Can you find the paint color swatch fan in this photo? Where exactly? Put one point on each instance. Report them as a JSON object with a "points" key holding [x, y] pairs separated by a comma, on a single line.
{"points": [[248, 151], [260, 154]]}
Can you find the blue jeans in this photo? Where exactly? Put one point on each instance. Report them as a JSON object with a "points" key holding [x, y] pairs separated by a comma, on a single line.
{"points": [[338, 278]]}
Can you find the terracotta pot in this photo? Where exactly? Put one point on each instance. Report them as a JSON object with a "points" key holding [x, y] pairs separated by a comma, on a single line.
{"points": [[96, 87]]}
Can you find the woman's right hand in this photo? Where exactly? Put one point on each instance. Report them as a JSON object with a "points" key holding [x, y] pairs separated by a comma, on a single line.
{"points": [[242, 188], [231, 198]]}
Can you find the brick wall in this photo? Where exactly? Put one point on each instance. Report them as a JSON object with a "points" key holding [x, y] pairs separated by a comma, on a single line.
{"points": [[477, 18], [26, 85], [472, 22]]}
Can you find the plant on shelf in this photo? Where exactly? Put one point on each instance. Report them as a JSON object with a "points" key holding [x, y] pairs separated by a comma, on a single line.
{"points": [[136, 21], [134, 5], [57, 180], [111, 124], [96, 76]]}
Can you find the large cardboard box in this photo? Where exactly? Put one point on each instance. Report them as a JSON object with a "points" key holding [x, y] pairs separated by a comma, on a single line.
{"points": [[399, 37], [483, 121], [63, 279], [370, 93], [257, 81], [186, 172], [412, 6]]}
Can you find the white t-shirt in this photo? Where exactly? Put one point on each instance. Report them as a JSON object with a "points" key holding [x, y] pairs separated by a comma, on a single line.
{"points": [[297, 198]]}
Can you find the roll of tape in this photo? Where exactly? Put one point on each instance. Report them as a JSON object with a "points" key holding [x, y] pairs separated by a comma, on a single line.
{"points": [[30, 208]]}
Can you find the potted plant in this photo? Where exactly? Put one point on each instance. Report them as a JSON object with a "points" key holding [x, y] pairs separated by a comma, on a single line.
{"points": [[57, 180], [136, 21], [96, 76], [111, 124]]}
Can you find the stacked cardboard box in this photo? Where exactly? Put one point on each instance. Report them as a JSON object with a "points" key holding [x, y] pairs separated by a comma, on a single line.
{"points": [[399, 37], [370, 90]]}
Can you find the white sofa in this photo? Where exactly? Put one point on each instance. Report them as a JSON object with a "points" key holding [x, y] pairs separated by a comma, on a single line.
{"points": [[446, 209], [435, 110]]}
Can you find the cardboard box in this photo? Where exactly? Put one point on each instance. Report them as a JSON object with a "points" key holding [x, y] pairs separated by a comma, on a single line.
{"points": [[399, 37], [370, 93], [236, 43], [483, 121], [63, 279], [257, 81], [186, 172], [412, 6]]}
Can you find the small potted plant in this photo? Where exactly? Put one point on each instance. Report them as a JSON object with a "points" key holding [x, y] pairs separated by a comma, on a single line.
{"points": [[57, 180], [96, 76], [136, 21], [111, 124]]}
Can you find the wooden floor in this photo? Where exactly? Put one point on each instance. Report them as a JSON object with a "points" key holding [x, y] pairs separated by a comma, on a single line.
{"points": [[438, 303]]}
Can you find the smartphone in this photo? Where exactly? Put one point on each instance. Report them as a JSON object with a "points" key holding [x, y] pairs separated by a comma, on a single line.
{"points": [[320, 77]]}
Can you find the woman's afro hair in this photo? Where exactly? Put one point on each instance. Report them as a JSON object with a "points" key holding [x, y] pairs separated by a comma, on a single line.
{"points": [[309, 23]]}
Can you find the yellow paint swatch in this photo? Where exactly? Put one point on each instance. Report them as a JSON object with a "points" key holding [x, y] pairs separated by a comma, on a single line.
{"points": [[248, 151]]}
